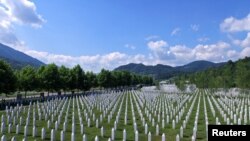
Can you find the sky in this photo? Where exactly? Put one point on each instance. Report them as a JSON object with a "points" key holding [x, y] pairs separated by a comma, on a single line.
{"points": [[106, 34]]}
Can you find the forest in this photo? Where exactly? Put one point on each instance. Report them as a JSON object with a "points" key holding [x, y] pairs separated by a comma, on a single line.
{"points": [[231, 75], [51, 78]]}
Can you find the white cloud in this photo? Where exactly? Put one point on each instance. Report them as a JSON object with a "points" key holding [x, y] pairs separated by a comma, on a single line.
{"points": [[195, 27], [23, 11], [130, 46], [243, 43], [245, 52], [232, 54], [175, 31], [91, 63], [182, 53], [4, 17], [157, 46], [232, 24], [160, 50], [20, 12], [213, 52]]}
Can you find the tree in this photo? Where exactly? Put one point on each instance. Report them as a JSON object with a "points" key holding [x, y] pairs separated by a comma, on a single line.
{"points": [[201, 80], [126, 78], [105, 79], [8, 79], [180, 82], [229, 74], [147, 80], [64, 74], [77, 78], [40, 78], [50, 77], [91, 80], [242, 73], [27, 79], [117, 77], [135, 79]]}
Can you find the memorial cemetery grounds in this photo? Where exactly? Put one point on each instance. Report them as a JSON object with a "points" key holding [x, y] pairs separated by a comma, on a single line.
{"points": [[128, 115]]}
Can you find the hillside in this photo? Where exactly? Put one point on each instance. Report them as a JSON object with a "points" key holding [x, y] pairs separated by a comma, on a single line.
{"points": [[164, 71], [198, 66], [231, 75], [16, 58]]}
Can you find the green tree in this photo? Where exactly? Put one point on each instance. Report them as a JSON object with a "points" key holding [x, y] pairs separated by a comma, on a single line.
{"points": [[117, 78], [126, 78], [27, 79], [40, 78], [64, 74], [135, 79], [229, 74], [180, 82], [77, 78], [91, 80], [8, 79], [243, 73], [201, 80], [50, 78], [105, 79]]}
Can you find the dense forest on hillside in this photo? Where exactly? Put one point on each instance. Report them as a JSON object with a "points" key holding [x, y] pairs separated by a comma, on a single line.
{"points": [[53, 78], [231, 75]]}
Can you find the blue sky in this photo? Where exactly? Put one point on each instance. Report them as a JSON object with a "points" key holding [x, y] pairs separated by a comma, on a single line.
{"points": [[105, 34]]}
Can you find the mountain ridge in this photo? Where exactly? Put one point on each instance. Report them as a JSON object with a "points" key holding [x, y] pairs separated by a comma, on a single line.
{"points": [[160, 71], [17, 59]]}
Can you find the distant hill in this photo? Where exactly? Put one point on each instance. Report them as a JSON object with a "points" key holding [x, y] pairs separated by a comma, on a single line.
{"points": [[199, 66], [16, 58], [164, 71], [233, 74]]}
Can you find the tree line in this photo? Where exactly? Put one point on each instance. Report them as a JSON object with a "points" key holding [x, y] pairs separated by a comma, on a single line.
{"points": [[52, 78], [231, 75]]}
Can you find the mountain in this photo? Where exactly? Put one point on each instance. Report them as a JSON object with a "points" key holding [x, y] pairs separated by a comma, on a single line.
{"points": [[143, 69], [198, 66], [16, 58], [164, 71]]}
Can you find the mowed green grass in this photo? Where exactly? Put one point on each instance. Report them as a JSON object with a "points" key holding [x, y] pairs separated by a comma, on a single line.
{"points": [[92, 131]]}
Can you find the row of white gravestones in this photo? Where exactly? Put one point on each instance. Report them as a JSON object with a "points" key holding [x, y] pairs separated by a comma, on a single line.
{"points": [[185, 121], [172, 125], [206, 120], [17, 127], [136, 103], [206, 117], [228, 111], [196, 119], [126, 111], [34, 129], [211, 106], [163, 121], [242, 110], [163, 124], [225, 110], [56, 124]]}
